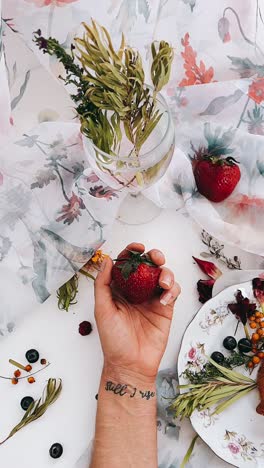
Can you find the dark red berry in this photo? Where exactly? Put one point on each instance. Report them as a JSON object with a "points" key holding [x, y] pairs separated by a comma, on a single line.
{"points": [[85, 328]]}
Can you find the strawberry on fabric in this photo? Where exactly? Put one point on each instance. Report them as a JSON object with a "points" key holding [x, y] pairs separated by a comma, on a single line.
{"points": [[136, 277], [216, 172]]}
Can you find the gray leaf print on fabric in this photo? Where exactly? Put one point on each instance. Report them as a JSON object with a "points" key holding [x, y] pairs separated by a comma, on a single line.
{"points": [[71, 252], [22, 90], [260, 166], [220, 103], [43, 178], [5, 244], [40, 268], [192, 3], [144, 9], [28, 141], [14, 203], [128, 12], [167, 389]]}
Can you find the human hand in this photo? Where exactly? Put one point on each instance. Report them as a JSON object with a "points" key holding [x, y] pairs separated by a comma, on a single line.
{"points": [[134, 336]]}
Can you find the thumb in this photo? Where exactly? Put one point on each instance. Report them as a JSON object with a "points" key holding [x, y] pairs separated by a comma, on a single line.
{"points": [[102, 289]]}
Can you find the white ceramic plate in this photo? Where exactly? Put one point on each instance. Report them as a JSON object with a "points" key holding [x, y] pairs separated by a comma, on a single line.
{"points": [[237, 434]]}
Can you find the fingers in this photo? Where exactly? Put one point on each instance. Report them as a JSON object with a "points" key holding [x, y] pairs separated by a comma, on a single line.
{"points": [[133, 246], [102, 290], [166, 278], [169, 296], [157, 257]]}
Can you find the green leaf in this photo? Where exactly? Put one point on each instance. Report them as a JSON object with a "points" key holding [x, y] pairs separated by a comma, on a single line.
{"points": [[189, 452]]}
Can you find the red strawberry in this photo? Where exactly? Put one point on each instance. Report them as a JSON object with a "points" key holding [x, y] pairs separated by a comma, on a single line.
{"points": [[136, 277], [216, 177]]}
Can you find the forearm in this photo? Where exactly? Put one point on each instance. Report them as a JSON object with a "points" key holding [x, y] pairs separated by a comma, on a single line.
{"points": [[126, 432]]}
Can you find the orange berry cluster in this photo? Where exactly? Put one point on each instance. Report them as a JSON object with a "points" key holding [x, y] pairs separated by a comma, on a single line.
{"points": [[256, 322], [27, 368]]}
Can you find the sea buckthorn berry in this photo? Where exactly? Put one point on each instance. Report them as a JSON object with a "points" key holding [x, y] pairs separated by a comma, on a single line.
{"points": [[258, 314], [17, 373], [31, 380], [256, 360], [261, 355], [252, 318], [253, 325], [14, 381], [255, 337], [28, 368], [250, 364]]}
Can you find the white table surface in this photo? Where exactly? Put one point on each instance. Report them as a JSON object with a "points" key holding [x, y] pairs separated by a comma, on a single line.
{"points": [[78, 360]]}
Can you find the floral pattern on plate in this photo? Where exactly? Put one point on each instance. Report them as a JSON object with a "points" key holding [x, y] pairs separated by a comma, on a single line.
{"points": [[240, 446], [214, 317]]}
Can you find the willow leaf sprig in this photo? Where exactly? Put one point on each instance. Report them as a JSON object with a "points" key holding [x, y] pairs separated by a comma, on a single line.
{"points": [[111, 96], [39, 407], [220, 392]]}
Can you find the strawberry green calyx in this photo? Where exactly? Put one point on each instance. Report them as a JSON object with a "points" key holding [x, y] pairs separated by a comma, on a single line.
{"points": [[130, 265]]}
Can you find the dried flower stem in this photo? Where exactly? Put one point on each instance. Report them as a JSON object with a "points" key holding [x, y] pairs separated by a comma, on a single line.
{"points": [[39, 407], [216, 250], [26, 376]]}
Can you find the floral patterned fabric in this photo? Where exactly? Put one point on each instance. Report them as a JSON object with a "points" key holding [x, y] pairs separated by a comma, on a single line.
{"points": [[53, 210], [4, 91]]}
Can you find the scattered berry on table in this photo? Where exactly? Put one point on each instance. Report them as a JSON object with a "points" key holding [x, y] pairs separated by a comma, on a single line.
{"points": [[28, 368], [17, 373], [56, 450], [31, 380], [43, 362], [26, 402], [217, 357], [230, 343], [85, 328], [32, 356], [14, 381]]}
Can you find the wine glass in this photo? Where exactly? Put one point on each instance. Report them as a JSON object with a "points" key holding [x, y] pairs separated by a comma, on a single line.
{"points": [[132, 173]]}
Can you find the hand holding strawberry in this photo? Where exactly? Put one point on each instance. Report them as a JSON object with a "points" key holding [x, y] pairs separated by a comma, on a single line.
{"points": [[134, 336]]}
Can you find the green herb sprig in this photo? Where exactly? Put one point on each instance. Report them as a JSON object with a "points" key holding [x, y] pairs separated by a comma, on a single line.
{"points": [[111, 94], [39, 407], [67, 293], [210, 371], [222, 391]]}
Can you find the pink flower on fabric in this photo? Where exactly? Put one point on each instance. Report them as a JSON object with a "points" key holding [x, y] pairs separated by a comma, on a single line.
{"points": [[256, 90], [192, 353], [72, 210], [43, 3], [233, 448]]}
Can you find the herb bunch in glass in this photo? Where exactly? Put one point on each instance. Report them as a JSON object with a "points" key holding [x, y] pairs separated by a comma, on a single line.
{"points": [[127, 127]]}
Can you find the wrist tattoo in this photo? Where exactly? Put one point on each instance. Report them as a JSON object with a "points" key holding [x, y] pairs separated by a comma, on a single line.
{"points": [[123, 389]]}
